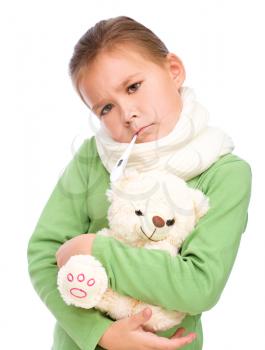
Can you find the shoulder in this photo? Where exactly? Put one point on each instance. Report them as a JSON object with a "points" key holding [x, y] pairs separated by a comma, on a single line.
{"points": [[87, 151], [230, 161], [230, 164], [88, 144], [230, 172], [91, 161]]}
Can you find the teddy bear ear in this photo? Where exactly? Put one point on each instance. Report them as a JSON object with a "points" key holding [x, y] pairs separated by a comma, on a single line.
{"points": [[200, 202], [109, 194]]}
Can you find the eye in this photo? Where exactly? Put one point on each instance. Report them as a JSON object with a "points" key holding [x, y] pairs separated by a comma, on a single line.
{"points": [[170, 222], [139, 213], [105, 108], [137, 85], [134, 87]]}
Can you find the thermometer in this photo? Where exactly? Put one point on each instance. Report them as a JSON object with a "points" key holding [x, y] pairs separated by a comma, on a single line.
{"points": [[121, 163]]}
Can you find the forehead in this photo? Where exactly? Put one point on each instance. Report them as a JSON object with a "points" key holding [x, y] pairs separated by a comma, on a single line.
{"points": [[119, 60]]}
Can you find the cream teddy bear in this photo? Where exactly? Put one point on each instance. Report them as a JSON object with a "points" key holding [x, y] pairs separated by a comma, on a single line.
{"points": [[154, 210]]}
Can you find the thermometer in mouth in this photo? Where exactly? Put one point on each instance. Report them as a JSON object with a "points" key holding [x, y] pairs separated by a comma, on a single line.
{"points": [[121, 163]]}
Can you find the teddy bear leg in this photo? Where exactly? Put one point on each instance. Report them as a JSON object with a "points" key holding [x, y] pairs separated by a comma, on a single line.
{"points": [[117, 306], [82, 281]]}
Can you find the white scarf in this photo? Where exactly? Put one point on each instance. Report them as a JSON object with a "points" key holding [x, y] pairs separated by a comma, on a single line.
{"points": [[188, 150]]}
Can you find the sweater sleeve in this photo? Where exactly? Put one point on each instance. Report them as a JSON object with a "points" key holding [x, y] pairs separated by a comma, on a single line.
{"points": [[63, 217], [192, 281]]}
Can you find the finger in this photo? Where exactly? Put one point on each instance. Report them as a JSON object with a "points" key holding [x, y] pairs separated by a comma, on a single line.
{"points": [[140, 318], [177, 343], [161, 343], [147, 329], [178, 333]]}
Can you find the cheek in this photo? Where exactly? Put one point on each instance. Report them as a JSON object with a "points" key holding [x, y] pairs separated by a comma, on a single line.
{"points": [[113, 124], [159, 97]]}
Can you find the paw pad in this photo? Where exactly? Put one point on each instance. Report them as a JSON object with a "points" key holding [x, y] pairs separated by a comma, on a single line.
{"points": [[82, 281], [80, 292]]}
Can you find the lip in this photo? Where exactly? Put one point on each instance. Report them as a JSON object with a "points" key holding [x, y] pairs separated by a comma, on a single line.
{"points": [[139, 130]]}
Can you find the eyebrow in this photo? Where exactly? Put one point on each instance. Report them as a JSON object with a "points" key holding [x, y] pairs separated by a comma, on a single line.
{"points": [[124, 83]]}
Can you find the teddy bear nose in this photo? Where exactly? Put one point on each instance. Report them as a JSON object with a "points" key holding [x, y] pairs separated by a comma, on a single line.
{"points": [[158, 221]]}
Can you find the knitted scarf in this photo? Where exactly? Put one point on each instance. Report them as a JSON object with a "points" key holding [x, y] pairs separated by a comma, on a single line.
{"points": [[187, 151]]}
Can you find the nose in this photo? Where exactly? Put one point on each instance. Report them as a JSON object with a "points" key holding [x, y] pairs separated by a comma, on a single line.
{"points": [[158, 221], [130, 118], [129, 112]]}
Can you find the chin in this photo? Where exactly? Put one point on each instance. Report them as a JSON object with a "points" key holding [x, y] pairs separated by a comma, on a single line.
{"points": [[145, 139]]}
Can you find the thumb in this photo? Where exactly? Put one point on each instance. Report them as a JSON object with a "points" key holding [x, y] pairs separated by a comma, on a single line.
{"points": [[141, 317]]}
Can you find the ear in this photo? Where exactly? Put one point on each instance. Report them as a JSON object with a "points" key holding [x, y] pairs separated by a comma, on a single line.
{"points": [[200, 202], [176, 69]]}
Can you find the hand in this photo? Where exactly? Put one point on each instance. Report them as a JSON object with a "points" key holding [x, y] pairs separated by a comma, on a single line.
{"points": [[81, 244], [129, 334]]}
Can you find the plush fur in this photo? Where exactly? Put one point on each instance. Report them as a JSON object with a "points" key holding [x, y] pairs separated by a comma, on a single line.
{"points": [[154, 210]]}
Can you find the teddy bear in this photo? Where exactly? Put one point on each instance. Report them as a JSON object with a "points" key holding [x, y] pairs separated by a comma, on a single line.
{"points": [[151, 210]]}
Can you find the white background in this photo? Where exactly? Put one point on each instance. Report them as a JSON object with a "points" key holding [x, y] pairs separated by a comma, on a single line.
{"points": [[221, 44]]}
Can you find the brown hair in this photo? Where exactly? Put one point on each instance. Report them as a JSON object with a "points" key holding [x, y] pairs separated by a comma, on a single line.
{"points": [[107, 34]]}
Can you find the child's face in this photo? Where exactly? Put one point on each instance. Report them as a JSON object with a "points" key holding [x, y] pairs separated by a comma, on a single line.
{"points": [[151, 96]]}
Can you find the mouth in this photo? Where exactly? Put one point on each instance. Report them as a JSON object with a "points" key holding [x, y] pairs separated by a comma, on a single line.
{"points": [[143, 128], [150, 236]]}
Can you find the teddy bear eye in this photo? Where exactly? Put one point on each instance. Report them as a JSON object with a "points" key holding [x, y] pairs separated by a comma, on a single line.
{"points": [[138, 212], [170, 222]]}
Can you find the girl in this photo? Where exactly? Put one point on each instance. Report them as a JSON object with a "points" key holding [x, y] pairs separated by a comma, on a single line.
{"points": [[132, 83]]}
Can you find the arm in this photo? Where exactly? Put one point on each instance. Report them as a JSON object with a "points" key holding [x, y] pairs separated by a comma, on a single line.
{"points": [[193, 281], [63, 217]]}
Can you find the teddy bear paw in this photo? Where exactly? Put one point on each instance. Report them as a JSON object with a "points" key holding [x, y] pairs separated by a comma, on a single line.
{"points": [[82, 281]]}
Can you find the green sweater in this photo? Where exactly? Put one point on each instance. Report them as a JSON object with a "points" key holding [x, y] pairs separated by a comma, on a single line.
{"points": [[191, 282]]}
